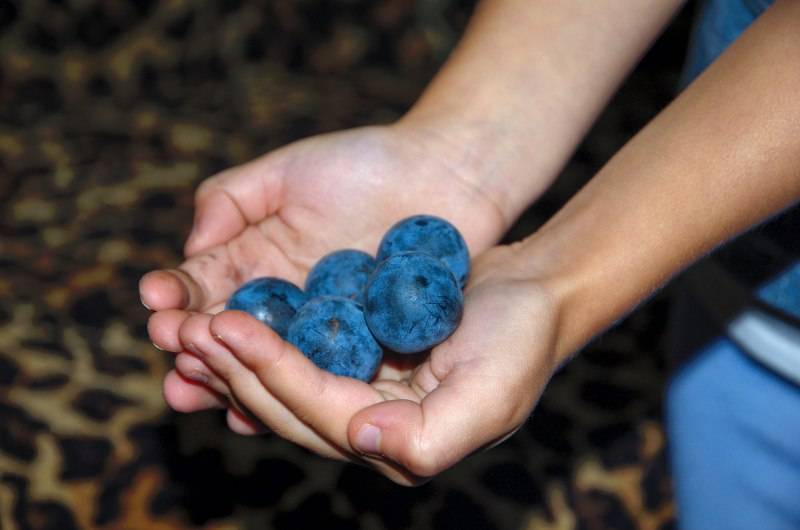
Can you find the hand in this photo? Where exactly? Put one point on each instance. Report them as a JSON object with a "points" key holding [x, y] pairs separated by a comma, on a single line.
{"points": [[280, 213], [473, 391]]}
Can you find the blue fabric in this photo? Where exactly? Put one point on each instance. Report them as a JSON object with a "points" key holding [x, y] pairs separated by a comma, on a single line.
{"points": [[733, 424], [734, 431], [719, 23], [783, 291]]}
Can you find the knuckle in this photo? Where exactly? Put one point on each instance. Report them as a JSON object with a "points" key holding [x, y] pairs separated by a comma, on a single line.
{"points": [[424, 461], [206, 186], [422, 466], [277, 360]]}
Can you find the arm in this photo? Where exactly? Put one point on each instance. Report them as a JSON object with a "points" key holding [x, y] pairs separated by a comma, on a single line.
{"points": [[722, 157], [527, 81], [490, 133]]}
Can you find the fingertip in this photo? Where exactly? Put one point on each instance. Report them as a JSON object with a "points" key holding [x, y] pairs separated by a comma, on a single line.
{"points": [[198, 240], [162, 289], [183, 395], [192, 369], [217, 218], [163, 326], [194, 332], [394, 418], [238, 330], [394, 431], [254, 344]]}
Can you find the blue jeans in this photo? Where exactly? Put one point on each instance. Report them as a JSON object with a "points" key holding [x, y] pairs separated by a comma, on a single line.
{"points": [[734, 434], [733, 424]]}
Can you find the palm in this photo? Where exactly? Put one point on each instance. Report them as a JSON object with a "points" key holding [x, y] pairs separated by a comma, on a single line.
{"points": [[343, 191], [474, 390], [278, 214], [507, 335]]}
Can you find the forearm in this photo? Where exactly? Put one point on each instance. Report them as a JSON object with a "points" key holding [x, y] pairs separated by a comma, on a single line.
{"points": [[527, 81], [724, 156]]}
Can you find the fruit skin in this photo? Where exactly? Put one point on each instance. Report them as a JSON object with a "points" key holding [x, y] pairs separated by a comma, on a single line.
{"points": [[332, 332], [341, 273], [413, 302], [433, 235], [273, 301]]}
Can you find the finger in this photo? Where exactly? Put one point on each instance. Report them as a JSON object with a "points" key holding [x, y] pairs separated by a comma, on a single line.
{"points": [[461, 415], [248, 390], [163, 326], [226, 203], [183, 395], [241, 424], [198, 283], [193, 369], [319, 398], [207, 279]]}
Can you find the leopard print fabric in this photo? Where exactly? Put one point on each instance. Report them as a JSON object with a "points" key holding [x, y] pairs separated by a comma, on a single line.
{"points": [[111, 112]]}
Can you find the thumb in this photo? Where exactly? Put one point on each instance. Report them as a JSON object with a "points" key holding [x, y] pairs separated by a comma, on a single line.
{"points": [[228, 202], [460, 416]]}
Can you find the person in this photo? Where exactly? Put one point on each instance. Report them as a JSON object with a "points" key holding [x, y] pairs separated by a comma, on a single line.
{"points": [[485, 139]]}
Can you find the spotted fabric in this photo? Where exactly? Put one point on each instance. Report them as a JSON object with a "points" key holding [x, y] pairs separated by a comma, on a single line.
{"points": [[111, 113]]}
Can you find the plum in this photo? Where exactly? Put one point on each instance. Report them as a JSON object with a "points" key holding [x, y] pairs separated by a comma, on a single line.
{"points": [[273, 301], [341, 273], [433, 235], [413, 302], [332, 332]]}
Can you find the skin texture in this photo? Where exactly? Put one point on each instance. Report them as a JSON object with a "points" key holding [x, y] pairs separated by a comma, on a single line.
{"points": [[413, 302], [722, 157], [332, 332], [341, 273], [432, 235], [478, 162], [279, 214], [270, 300]]}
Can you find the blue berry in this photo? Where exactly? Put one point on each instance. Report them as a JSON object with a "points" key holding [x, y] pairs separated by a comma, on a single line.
{"points": [[433, 235], [413, 302], [341, 273], [331, 331], [273, 301]]}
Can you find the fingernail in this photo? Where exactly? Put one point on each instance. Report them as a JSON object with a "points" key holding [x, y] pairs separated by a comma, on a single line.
{"points": [[198, 377], [368, 439], [156, 346], [191, 348], [143, 304]]}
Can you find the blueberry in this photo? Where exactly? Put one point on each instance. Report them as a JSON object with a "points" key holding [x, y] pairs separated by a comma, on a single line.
{"points": [[271, 300], [341, 273], [426, 233], [331, 331], [413, 302]]}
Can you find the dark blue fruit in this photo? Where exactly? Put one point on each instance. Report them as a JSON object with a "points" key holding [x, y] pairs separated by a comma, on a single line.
{"points": [[331, 331], [413, 302], [271, 300], [341, 273], [433, 235]]}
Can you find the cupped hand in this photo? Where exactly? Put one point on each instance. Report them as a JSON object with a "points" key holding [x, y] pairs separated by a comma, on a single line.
{"points": [[472, 391], [278, 214]]}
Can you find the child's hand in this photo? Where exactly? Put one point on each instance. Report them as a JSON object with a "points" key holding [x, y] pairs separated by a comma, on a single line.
{"points": [[277, 215], [473, 390]]}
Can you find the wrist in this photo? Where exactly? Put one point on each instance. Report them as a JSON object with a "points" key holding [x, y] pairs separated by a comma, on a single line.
{"points": [[579, 309], [540, 293], [465, 147], [488, 147]]}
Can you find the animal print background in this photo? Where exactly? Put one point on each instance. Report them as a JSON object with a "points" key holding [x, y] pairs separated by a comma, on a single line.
{"points": [[111, 112]]}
